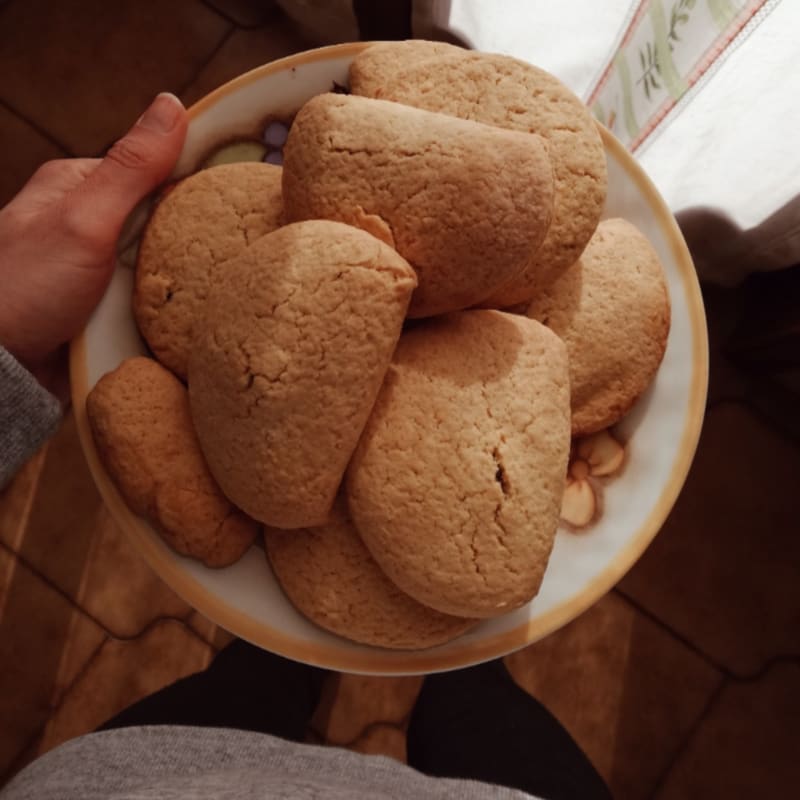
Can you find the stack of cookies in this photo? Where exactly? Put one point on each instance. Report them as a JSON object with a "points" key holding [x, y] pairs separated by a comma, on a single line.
{"points": [[377, 354]]}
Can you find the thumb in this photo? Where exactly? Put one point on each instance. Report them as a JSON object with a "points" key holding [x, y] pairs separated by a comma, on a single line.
{"points": [[134, 166]]}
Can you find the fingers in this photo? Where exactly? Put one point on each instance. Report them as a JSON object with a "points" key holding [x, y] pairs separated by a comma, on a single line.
{"points": [[131, 169]]}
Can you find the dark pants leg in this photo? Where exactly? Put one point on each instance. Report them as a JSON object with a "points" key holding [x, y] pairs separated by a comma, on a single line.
{"points": [[244, 687], [477, 723]]}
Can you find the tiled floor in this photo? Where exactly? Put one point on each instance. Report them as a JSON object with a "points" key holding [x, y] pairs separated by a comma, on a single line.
{"points": [[683, 682]]}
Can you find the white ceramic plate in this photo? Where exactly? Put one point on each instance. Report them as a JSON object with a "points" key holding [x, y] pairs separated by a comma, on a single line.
{"points": [[661, 431]]}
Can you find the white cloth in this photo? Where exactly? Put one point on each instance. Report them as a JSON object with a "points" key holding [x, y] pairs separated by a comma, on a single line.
{"points": [[726, 160]]}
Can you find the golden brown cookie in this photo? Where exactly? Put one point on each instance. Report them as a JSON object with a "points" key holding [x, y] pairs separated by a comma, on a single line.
{"points": [[288, 362], [139, 415], [503, 91], [202, 222], [456, 484], [331, 578], [612, 310], [372, 69], [436, 188]]}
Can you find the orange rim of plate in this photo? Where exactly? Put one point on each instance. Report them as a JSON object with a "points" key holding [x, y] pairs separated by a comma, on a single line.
{"points": [[388, 662]]}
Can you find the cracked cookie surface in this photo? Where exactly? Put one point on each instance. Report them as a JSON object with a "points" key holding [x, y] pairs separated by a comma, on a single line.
{"points": [[612, 310], [139, 415], [436, 188], [202, 222], [288, 362], [457, 480], [331, 578], [503, 91]]}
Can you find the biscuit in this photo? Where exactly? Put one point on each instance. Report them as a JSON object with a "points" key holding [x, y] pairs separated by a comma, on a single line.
{"points": [[330, 577], [612, 310], [288, 362], [377, 65], [456, 484], [436, 188], [503, 91], [140, 421], [202, 222]]}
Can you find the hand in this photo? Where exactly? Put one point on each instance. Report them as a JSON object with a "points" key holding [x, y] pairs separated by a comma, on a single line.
{"points": [[58, 235]]}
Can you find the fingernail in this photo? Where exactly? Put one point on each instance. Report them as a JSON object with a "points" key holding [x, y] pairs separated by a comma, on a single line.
{"points": [[163, 114]]}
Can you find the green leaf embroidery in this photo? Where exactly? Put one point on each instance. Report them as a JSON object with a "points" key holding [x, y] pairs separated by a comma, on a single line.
{"points": [[648, 58], [678, 15]]}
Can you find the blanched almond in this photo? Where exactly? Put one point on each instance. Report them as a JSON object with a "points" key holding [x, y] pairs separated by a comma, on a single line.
{"points": [[603, 452], [578, 504]]}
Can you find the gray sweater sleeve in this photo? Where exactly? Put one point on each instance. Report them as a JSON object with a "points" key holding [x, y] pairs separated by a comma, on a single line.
{"points": [[29, 415], [181, 763]]}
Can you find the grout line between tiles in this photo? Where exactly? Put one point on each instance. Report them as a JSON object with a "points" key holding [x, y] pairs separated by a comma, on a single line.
{"points": [[675, 634], [744, 401], [181, 89], [401, 725], [67, 153], [157, 621], [755, 677], [15, 764], [92, 617], [368, 728], [738, 677], [228, 18], [80, 673], [58, 590], [684, 745]]}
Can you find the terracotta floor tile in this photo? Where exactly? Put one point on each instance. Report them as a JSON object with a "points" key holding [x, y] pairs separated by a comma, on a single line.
{"points": [[246, 13], [16, 501], [747, 746], [119, 589], [83, 640], [382, 740], [44, 643], [725, 570], [8, 563], [321, 717], [123, 672], [58, 531], [626, 690], [351, 703], [85, 71], [242, 51], [209, 631], [72, 541], [22, 150]]}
